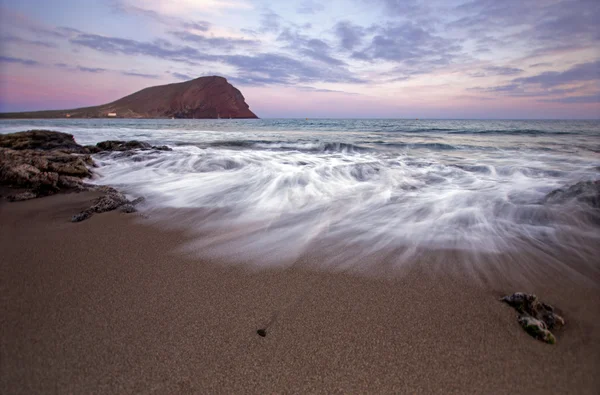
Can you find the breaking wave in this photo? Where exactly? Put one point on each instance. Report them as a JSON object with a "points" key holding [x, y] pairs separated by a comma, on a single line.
{"points": [[269, 191], [273, 204]]}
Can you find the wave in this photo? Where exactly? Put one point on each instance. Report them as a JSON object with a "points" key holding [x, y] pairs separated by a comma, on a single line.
{"points": [[328, 147], [432, 146], [274, 204], [512, 132], [309, 146]]}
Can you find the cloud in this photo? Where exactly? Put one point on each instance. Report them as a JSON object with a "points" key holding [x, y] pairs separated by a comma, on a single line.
{"points": [[84, 69], [222, 43], [142, 75], [319, 50], [554, 83], [129, 7], [544, 25], [310, 7], [313, 48], [185, 8], [159, 48], [270, 68], [321, 90], [409, 44], [9, 38], [90, 69], [575, 99], [26, 62], [400, 7], [183, 77], [270, 22], [258, 69], [542, 64], [491, 71], [349, 35], [200, 25], [579, 73]]}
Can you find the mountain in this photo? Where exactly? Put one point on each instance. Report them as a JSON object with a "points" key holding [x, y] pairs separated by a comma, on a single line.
{"points": [[204, 97]]}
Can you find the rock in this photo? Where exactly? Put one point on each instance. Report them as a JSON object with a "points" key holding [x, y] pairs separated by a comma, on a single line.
{"points": [[137, 201], [118, 145], [535, 316], [70, 182], [42, 167], [537, 329], [109, 202], [585, 191], [45, 183], [93, 149], [45, 140], [27, 195], [128, 208], [82, 216], [162, 148]]}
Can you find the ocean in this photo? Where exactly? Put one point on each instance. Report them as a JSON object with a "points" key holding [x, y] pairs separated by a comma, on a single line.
{"points": [[268, 190]]}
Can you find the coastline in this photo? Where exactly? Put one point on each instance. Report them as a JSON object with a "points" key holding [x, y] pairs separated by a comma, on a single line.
{"points": [[111, 305]]}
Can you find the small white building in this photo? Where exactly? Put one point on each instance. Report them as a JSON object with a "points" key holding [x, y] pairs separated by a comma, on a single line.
{"points": [[112, 114]]}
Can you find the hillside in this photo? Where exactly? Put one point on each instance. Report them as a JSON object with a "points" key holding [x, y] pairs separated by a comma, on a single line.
{"points": [[204, 97]]}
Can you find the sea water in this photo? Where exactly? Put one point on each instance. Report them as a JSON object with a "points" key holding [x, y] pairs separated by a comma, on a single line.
{"points": [[272, 188]]}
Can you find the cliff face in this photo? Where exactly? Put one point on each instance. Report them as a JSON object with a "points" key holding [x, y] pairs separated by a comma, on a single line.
{"points": [[204, 97]]}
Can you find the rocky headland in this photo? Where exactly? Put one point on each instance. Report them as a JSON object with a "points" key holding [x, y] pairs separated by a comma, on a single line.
{"points": [[204, 97]]}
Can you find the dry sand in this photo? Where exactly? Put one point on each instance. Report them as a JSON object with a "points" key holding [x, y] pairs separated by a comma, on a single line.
{"points": [[108, 306]]}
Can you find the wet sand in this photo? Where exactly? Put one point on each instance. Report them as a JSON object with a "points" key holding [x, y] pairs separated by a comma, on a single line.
{"points": [[109, 305]]}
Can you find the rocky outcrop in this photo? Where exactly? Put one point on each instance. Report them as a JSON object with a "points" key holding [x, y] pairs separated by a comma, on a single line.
{"points": [[536, 317], [111, 200], [587, 192], [44, 140], [119, 145], [204, 97], [43, 162]]}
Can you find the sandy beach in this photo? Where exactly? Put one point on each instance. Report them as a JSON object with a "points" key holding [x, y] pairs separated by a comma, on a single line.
{"points": [[108, 305]]}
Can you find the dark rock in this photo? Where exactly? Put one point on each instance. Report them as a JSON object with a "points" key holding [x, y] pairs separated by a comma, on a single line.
{"points": [[118, 145], [70, 182], [585, 191], [109, 202], [128, 208], [45, 183], [537, 328], [162, 148], [45, 140], [536, 317], [82, 216], [27, 195], [262, 332], [93, 149], [137, 201], [41, 169]]}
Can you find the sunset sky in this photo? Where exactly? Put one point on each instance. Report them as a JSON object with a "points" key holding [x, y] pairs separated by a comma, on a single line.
{"points": [[308, 58]]}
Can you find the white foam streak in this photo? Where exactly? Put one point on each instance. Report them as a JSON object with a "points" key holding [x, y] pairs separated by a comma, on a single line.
{"points": [[273, 205]]}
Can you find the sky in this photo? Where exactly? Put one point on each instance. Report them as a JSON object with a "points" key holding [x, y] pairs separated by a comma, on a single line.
{"points": [[516, 59]]}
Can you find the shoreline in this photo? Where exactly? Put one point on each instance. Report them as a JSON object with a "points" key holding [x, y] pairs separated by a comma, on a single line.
{"points": [[111, 304]]}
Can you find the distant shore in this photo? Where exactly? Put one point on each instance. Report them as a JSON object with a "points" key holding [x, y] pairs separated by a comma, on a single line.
{"points": [[110, 305]]}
